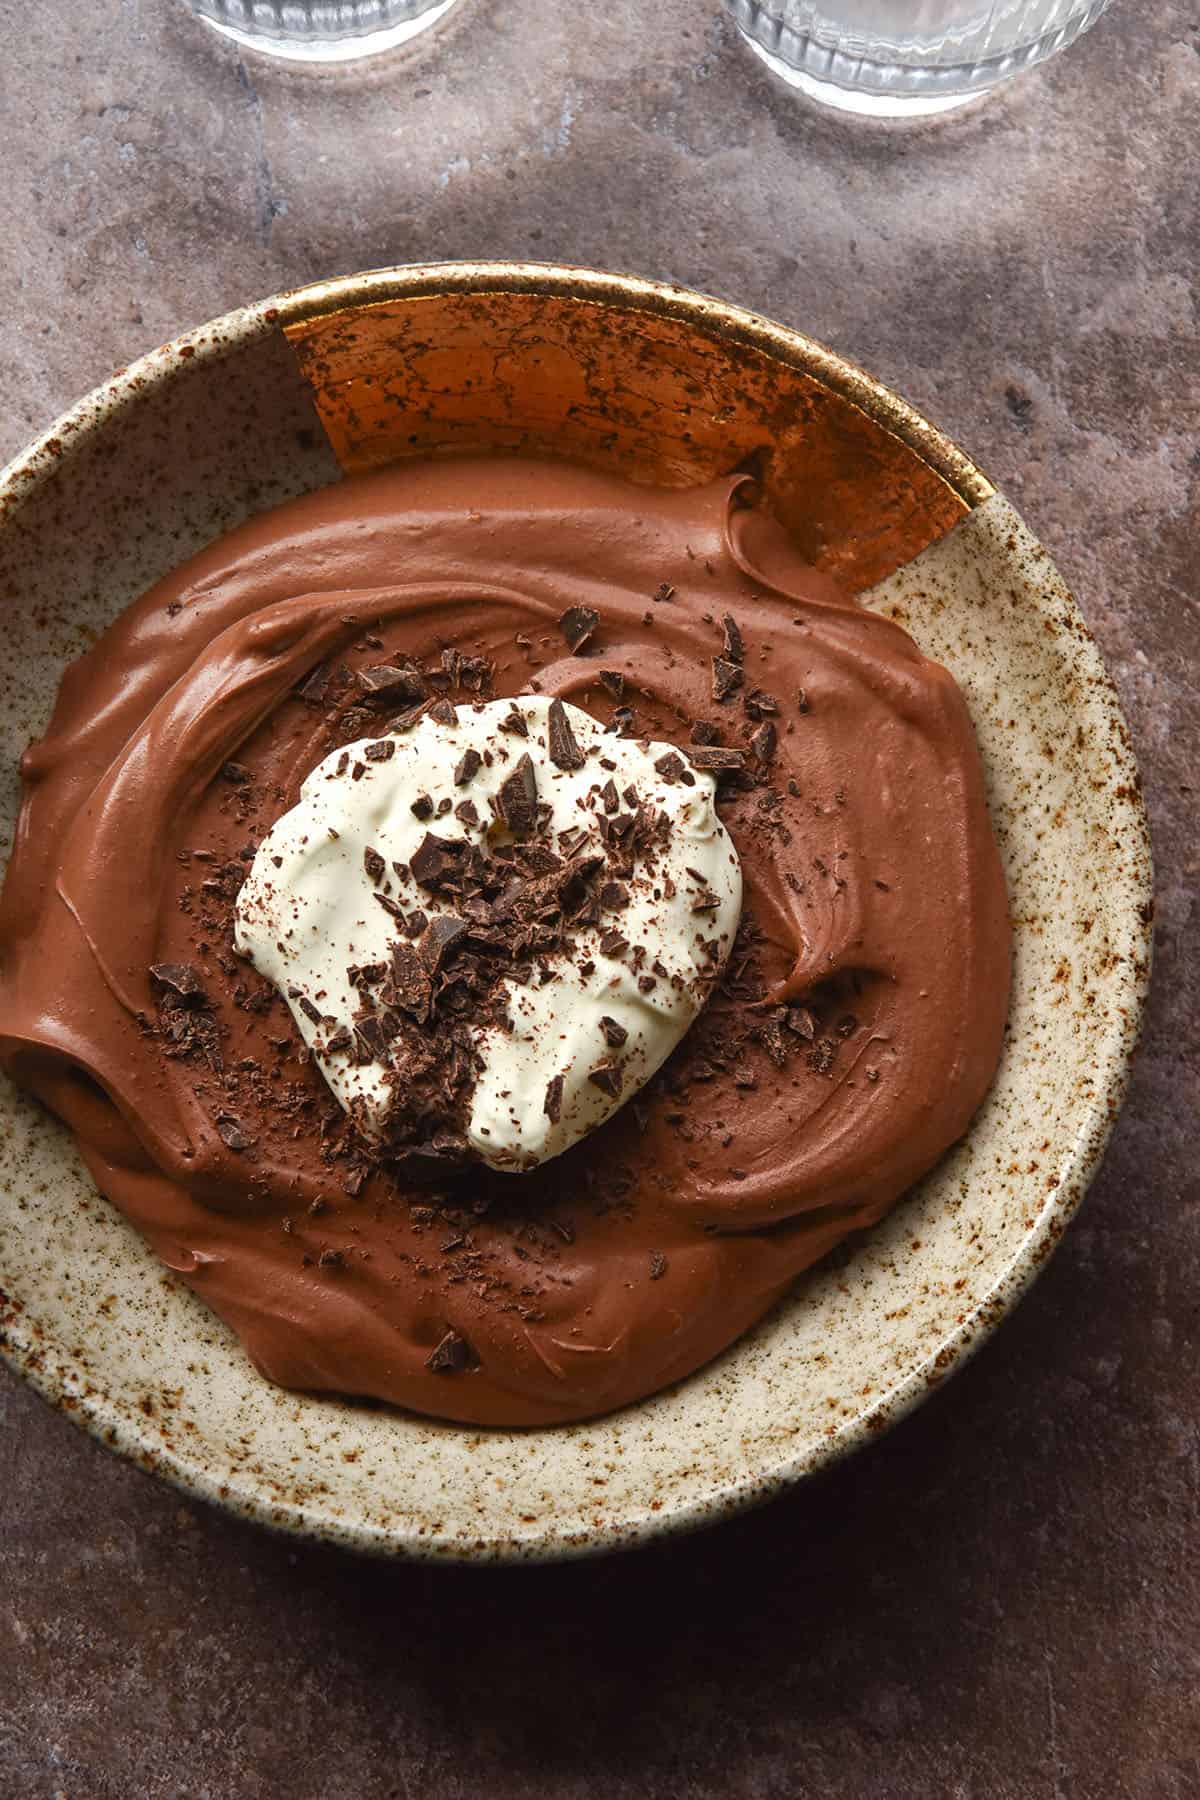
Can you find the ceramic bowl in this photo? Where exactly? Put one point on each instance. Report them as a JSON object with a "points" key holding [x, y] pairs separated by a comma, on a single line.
{"points": [[666, 386]]}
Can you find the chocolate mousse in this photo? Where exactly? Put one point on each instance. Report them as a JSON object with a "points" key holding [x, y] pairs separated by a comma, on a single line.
{"points": [[411, 1033]]}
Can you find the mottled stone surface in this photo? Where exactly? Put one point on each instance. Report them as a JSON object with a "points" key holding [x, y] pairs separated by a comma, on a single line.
{"points": [[1001, 1599]]}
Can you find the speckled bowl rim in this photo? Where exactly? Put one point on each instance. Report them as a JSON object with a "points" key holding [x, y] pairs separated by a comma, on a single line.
{"points": [[51, 1371]]}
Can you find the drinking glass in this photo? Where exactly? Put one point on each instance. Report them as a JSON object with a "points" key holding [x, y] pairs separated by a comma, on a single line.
{"points": [[903, 58], [321, 31]]}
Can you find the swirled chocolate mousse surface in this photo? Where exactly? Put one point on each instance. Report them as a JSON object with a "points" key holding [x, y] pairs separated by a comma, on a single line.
{"points": [[844, 1037]]}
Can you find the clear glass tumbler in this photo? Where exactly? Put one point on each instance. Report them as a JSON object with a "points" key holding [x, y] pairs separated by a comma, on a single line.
{"points": [[321, 31], [903, 58]]}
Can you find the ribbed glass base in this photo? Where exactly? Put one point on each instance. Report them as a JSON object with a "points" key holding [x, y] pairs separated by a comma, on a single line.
{"points": [[827, 52], [300, 33]]}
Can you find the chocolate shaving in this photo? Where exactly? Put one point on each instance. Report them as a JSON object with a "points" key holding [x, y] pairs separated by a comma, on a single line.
{"points": [[564, 750], [577, 625], [658, 1265]]}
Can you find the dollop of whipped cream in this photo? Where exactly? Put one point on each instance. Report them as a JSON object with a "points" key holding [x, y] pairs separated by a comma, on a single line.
{"points": [[580, 882]]}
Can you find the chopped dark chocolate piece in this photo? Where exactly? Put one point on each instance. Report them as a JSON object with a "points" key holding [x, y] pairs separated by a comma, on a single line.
{"points": [[411, 981], [552, 1105], [469, 766], [467, 811], [564, 750], [614, 896], [443, 712], [312, 688], [764, 741], [517, 799], [182, 981], [759, 704], [671, 767], [607, 1077], [716, 760], [341, 1040], [235, 772], [622, 721], [735, 647], [705, 732], [614, 1034], [706, 902], [613, 944], [311, 1012], [437, 938], [802, 1022], [609, 797], [451, 1355], [475, 673], [380, 750], [331, 1259], [436, 859], [613, 682], [577, 625], [231, 1133], [392, 684], [515, 723], [663, 592], [726, 678], [374, 864]]}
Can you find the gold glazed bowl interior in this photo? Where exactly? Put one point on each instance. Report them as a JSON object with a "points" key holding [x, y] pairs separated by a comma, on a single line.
{"points": [[663, 386]]}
